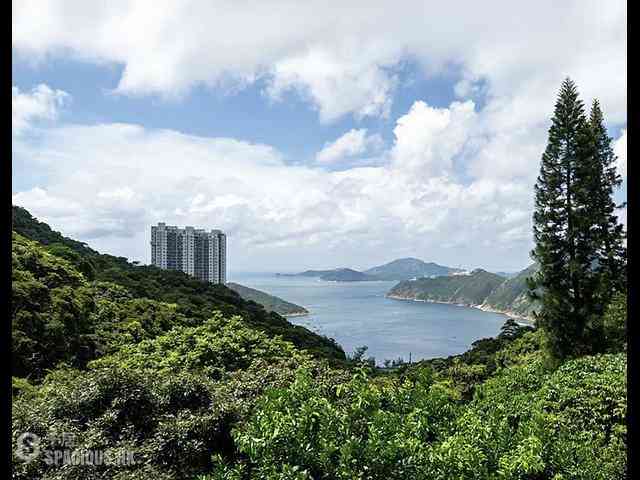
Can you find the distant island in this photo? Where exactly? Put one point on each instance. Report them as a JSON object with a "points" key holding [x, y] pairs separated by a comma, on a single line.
{"points": [[500, 292], [479, 288], [271, 303], [400, 269]]}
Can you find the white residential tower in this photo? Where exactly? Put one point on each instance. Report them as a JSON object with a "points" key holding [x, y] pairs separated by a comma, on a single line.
{"points": [[193, 251]]}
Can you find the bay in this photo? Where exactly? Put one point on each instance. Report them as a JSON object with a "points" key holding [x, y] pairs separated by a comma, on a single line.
{"points": [[358, 313]]}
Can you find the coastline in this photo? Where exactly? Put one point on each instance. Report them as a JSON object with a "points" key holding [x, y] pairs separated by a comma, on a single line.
{"points": [[295, 314], [485, 308]]}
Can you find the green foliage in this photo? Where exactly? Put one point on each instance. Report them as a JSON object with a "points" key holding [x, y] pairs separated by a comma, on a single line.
{"points": [[197, 300], [197, 383], [82, 263], [569, 422], [526, 422], [217, 346], [60, 315], [51, 308], [483, 359], [512, 294], [523, 349], [21, 386], [170, 424], [358, 358], [357, 429], [29, 227], [611, 254], [578, 240], [615, 324], [470, 289]]}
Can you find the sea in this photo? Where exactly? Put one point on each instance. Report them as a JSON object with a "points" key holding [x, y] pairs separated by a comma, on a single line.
{"points": [[358, 314]]}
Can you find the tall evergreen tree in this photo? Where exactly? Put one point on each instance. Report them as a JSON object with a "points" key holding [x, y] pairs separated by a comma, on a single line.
{"points": [[566, 246], [599, 166], [611, 235]]}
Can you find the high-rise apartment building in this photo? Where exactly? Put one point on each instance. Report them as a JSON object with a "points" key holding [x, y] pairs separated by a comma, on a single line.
{"points": [[193, 251]]}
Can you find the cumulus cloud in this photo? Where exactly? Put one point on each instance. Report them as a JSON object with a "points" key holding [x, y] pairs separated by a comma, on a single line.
{"points": [[353, 143], [41, 103], [117, 179], [337, 86], [454, 186], [428, 139], [341, 58], [620, 149]]}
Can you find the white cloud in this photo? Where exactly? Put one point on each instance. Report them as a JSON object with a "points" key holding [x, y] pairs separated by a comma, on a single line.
{"points": [[353, 143], [456, 183], [41, 103], [118, 179], [620, 149], [428, 139], [336, 85], [342, 58]]}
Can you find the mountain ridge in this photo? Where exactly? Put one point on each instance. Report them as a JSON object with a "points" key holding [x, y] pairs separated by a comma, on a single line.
{"points": [[193, 298], [399, 269], [481, 289]]}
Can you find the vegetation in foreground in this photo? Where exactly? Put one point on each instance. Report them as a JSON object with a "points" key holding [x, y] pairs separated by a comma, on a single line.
{"points": [[194, 383], [219, 398]]}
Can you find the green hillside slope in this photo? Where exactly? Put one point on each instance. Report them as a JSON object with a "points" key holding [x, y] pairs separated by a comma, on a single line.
{"points": [[346, 275], [409, 268], [469, 289], [271, 303], [191, 299], [511, 296]]}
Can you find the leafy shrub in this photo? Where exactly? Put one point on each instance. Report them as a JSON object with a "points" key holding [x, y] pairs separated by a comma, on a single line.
{"points": [[526, 422], [356, 429], [615, 324], [193, 301], [563, 424], [218, 346], [169, 424]]}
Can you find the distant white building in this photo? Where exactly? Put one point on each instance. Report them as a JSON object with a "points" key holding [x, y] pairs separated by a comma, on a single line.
{"points": [[466, 272], [198, 253]]}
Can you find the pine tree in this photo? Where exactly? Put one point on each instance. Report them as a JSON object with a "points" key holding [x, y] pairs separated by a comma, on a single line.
{"points": [[566, 243], [608, 233], [612, 251]]}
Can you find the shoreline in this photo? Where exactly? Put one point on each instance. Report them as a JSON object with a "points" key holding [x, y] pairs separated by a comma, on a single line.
{"points": [[523, 320], [295, 314]]}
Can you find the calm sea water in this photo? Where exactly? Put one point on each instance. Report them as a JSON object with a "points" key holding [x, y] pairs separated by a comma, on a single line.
{"points": [[357, 313]]}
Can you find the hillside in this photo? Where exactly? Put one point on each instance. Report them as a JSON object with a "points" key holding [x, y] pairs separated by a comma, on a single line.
{"points": [[469, 289], [191, 298], [489, 291], [271, 303], [198, 383], [511, 295], [409, 268], [401, 269], [346, 275], [333, 275]]}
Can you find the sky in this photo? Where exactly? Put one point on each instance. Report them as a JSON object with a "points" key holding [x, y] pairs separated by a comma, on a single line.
{"points": [[316, 134]]}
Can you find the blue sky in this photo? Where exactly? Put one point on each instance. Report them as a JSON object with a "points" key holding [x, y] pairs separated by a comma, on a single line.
{"points": [[289, 125], [324, 137]]}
